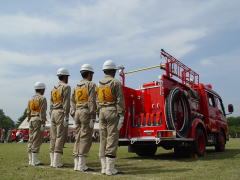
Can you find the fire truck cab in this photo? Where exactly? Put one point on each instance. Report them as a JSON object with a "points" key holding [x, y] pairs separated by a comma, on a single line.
{"points": [[185, 115]]}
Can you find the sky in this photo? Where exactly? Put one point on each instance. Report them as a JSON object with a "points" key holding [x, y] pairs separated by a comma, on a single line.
{"points": [[38, 37]]}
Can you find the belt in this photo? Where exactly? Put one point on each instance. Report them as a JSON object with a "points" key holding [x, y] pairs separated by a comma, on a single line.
{"points": [[58, 108], [107, 105], [35, 116], [81, 107]]}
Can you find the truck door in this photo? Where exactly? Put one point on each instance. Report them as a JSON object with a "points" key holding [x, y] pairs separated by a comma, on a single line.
{"points": [[212, 112], [221, 116]]}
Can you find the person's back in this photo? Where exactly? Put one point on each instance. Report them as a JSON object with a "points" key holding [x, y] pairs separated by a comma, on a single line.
{"points": [[59, 113], [111, 109], [37, 107], [83, 111]]}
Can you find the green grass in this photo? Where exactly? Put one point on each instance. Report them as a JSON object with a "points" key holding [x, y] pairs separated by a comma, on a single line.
{"points": [[224, 165]]}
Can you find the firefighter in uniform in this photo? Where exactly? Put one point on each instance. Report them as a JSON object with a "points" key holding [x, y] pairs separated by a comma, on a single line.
{"points": [[111, 110], [59, 113], [36, 112], [84, 112]]}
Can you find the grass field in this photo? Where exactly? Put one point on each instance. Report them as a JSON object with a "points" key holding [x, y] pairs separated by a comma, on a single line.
{"points": [[224, 165]]}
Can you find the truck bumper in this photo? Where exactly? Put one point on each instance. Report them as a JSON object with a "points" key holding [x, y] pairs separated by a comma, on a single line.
{"points": [[150, 140]]}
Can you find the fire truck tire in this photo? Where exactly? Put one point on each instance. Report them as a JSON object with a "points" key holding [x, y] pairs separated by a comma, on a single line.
{"points": [[221, 141], [178, 112], [199, 144], [145, 151]]}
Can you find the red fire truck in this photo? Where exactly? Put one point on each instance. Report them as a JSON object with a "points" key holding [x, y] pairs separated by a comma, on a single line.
{"points": [[177, 112]]}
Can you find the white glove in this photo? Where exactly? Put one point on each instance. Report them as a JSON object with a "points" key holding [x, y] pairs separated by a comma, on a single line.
{"points": [[65, 122], [42, 128], [120, 122], [91, 123]]}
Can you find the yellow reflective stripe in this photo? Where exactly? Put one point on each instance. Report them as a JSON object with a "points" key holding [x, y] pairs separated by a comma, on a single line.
{"points": [[81, 95], [34, 106], [56, 96], [105, 94]]}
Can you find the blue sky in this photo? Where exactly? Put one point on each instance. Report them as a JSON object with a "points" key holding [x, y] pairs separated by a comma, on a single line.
{"points": [[38, 37]]}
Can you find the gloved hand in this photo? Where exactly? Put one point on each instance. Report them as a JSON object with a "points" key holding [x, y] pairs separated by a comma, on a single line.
{"points": [[65, 122], [91, 123], [42, 128], [120, 122]]}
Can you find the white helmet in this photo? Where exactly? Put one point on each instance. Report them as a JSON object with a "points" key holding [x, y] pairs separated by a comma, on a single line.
{"points": [[62, 71], [39, 85], [109, 64], [86, 67]]}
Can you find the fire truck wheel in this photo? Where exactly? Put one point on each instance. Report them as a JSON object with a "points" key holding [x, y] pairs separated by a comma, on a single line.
{"points": [[221, 141], [145, 150], [178, 112], [200, 142]]}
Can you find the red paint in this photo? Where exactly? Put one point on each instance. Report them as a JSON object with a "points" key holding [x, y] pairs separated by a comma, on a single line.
{"points": [[145, 107]]}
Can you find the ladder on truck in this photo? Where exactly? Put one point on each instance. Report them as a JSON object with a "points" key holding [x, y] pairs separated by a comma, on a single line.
{"points": [[173, 67]]}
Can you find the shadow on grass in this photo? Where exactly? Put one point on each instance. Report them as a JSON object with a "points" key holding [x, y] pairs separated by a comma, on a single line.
{"points": [[151, 170], [210, 155], [91, 165]]}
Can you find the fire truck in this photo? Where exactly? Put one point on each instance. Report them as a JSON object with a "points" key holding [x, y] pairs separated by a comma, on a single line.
{"points": [[176, 112]]}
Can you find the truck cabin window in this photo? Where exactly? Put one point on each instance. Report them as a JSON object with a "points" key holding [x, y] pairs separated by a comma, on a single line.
{"points": [[211, 100], [220, 106]]}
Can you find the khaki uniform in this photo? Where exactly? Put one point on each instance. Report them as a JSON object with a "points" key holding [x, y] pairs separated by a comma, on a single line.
{"points": [[111, 105], [83, 109], [37, 108], [59, 111]]}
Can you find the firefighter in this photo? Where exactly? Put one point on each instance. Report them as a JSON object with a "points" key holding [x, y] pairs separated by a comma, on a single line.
{"points": [[59, 113], [84, 112], [111, 110], [36, 112]]}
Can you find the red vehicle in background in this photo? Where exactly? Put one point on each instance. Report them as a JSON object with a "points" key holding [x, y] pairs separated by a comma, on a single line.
{"points": [[14, 137], [20, 135], [24, 135], [46, 136], [175, 112]]}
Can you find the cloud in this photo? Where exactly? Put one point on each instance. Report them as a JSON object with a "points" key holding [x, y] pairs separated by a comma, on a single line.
{"points": [[229, 62], [130, 32], [206, 62], [118, 46], [23, 24]]}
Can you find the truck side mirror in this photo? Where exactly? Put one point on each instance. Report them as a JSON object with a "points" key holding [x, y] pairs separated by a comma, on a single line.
{"points": [[230, 108]]}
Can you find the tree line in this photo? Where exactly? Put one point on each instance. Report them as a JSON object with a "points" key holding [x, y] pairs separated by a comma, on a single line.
{"points": [[7, 123], [234, 126]]}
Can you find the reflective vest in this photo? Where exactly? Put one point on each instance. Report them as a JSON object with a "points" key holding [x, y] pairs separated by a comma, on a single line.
{"points": [[34, 106], [56, 96], [81, 95], [105, 94]]}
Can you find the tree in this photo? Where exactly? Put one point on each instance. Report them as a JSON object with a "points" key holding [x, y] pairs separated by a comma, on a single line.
{"points": [[22, 118], [234, 125], [5, 121], [234, 121]]}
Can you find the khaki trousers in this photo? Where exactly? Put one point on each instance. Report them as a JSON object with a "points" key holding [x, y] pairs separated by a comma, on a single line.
{"points": [[109, 134], [57, 131], [35, 135], [84, 133], [66, 135]]}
